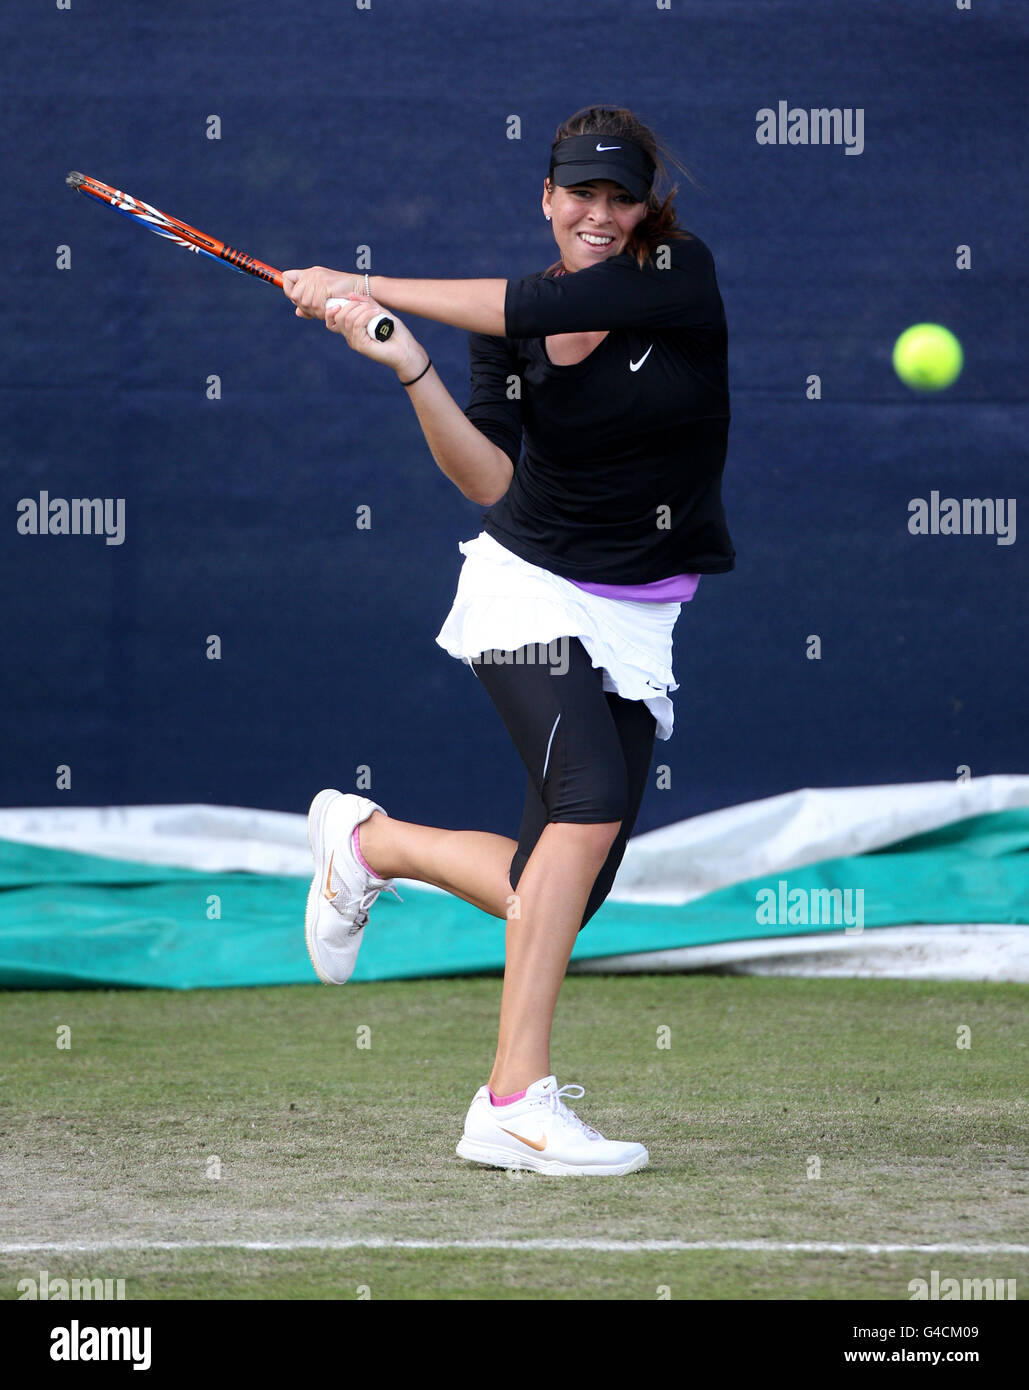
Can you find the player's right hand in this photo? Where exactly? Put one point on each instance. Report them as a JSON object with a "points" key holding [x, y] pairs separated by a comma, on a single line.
{"points": [[350, 321]]}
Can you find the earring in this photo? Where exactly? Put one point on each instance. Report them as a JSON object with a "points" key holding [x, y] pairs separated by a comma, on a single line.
{"points": [[547, 216]]}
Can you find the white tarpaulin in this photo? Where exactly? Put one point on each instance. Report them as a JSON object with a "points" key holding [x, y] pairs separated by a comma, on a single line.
{"points": [[676, 864]]}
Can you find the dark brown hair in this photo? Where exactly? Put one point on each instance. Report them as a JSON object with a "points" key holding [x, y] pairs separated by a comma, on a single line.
{"points": [[661, 220]]}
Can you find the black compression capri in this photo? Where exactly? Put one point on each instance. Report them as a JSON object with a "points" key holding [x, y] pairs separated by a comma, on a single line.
{"points": [[587, 751]]}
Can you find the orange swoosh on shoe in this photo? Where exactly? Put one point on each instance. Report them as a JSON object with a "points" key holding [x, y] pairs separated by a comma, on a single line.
{"points": [[328, 878], [531, 1142]]}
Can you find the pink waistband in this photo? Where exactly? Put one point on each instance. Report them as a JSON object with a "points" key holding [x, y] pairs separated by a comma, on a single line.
{"points": [[679, 589]]}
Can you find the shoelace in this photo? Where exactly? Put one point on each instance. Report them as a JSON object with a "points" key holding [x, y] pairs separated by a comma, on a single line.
{"points": [[368, 899], [364, 905], [557, 1105]]}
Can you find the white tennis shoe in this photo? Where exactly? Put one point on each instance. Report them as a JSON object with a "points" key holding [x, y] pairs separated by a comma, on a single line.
{"points": [[342, 890], [540, 1132]]}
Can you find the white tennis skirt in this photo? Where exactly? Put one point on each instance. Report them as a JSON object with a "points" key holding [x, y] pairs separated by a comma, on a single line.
{"points": [[504, 602]]}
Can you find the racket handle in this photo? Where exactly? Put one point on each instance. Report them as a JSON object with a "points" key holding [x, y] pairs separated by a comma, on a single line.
{"points": [[380, 328]]}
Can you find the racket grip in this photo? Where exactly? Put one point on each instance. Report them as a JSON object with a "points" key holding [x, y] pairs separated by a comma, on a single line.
{"points": [[379, 329]]}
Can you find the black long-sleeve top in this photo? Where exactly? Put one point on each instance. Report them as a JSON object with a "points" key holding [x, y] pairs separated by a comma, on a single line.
{"points": [[620, 480]]}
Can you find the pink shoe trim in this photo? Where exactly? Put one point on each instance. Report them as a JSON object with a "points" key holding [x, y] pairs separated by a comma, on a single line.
{"points": [[504, 1100], [355, 841]]}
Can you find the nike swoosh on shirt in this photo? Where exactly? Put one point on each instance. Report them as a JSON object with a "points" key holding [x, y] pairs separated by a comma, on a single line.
{"points": [[539, 1147], [635, 366]]}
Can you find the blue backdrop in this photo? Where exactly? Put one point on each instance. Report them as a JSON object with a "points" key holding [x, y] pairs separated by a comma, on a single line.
{"points": [[387, 126]]}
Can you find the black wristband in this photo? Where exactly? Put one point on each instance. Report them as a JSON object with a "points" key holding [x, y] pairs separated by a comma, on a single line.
{"points": [[419, 376]]}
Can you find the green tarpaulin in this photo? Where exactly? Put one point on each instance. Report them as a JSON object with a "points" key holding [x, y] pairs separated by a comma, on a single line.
{"points": [[70, 920]]}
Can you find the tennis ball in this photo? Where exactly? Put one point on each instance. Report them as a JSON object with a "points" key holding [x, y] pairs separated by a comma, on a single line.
{"points": [[927, 357]]}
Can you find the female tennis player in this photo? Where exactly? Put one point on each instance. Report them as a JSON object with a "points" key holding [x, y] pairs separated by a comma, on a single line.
{"points": [[610, 367]]}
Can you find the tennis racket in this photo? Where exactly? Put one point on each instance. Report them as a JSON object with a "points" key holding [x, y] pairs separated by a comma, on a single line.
{"points": [[380, 328]]}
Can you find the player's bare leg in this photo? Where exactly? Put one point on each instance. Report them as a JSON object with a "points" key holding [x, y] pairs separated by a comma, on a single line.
{"points": [[471, 864], [543, 917], [553, 890], [520, 1120]]}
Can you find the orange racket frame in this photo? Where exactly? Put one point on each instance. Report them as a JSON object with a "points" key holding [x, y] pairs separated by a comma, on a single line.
{"points": [[191, 239], [173, 229]]}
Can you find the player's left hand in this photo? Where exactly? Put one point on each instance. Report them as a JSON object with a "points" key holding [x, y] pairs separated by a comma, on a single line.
{"points": [[309, 289]]}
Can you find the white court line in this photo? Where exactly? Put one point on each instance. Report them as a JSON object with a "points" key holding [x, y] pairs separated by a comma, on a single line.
{"points": [[610, 1246]]}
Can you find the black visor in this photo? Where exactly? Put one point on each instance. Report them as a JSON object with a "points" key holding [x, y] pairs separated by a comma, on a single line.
{"points": [[583, 158]]}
